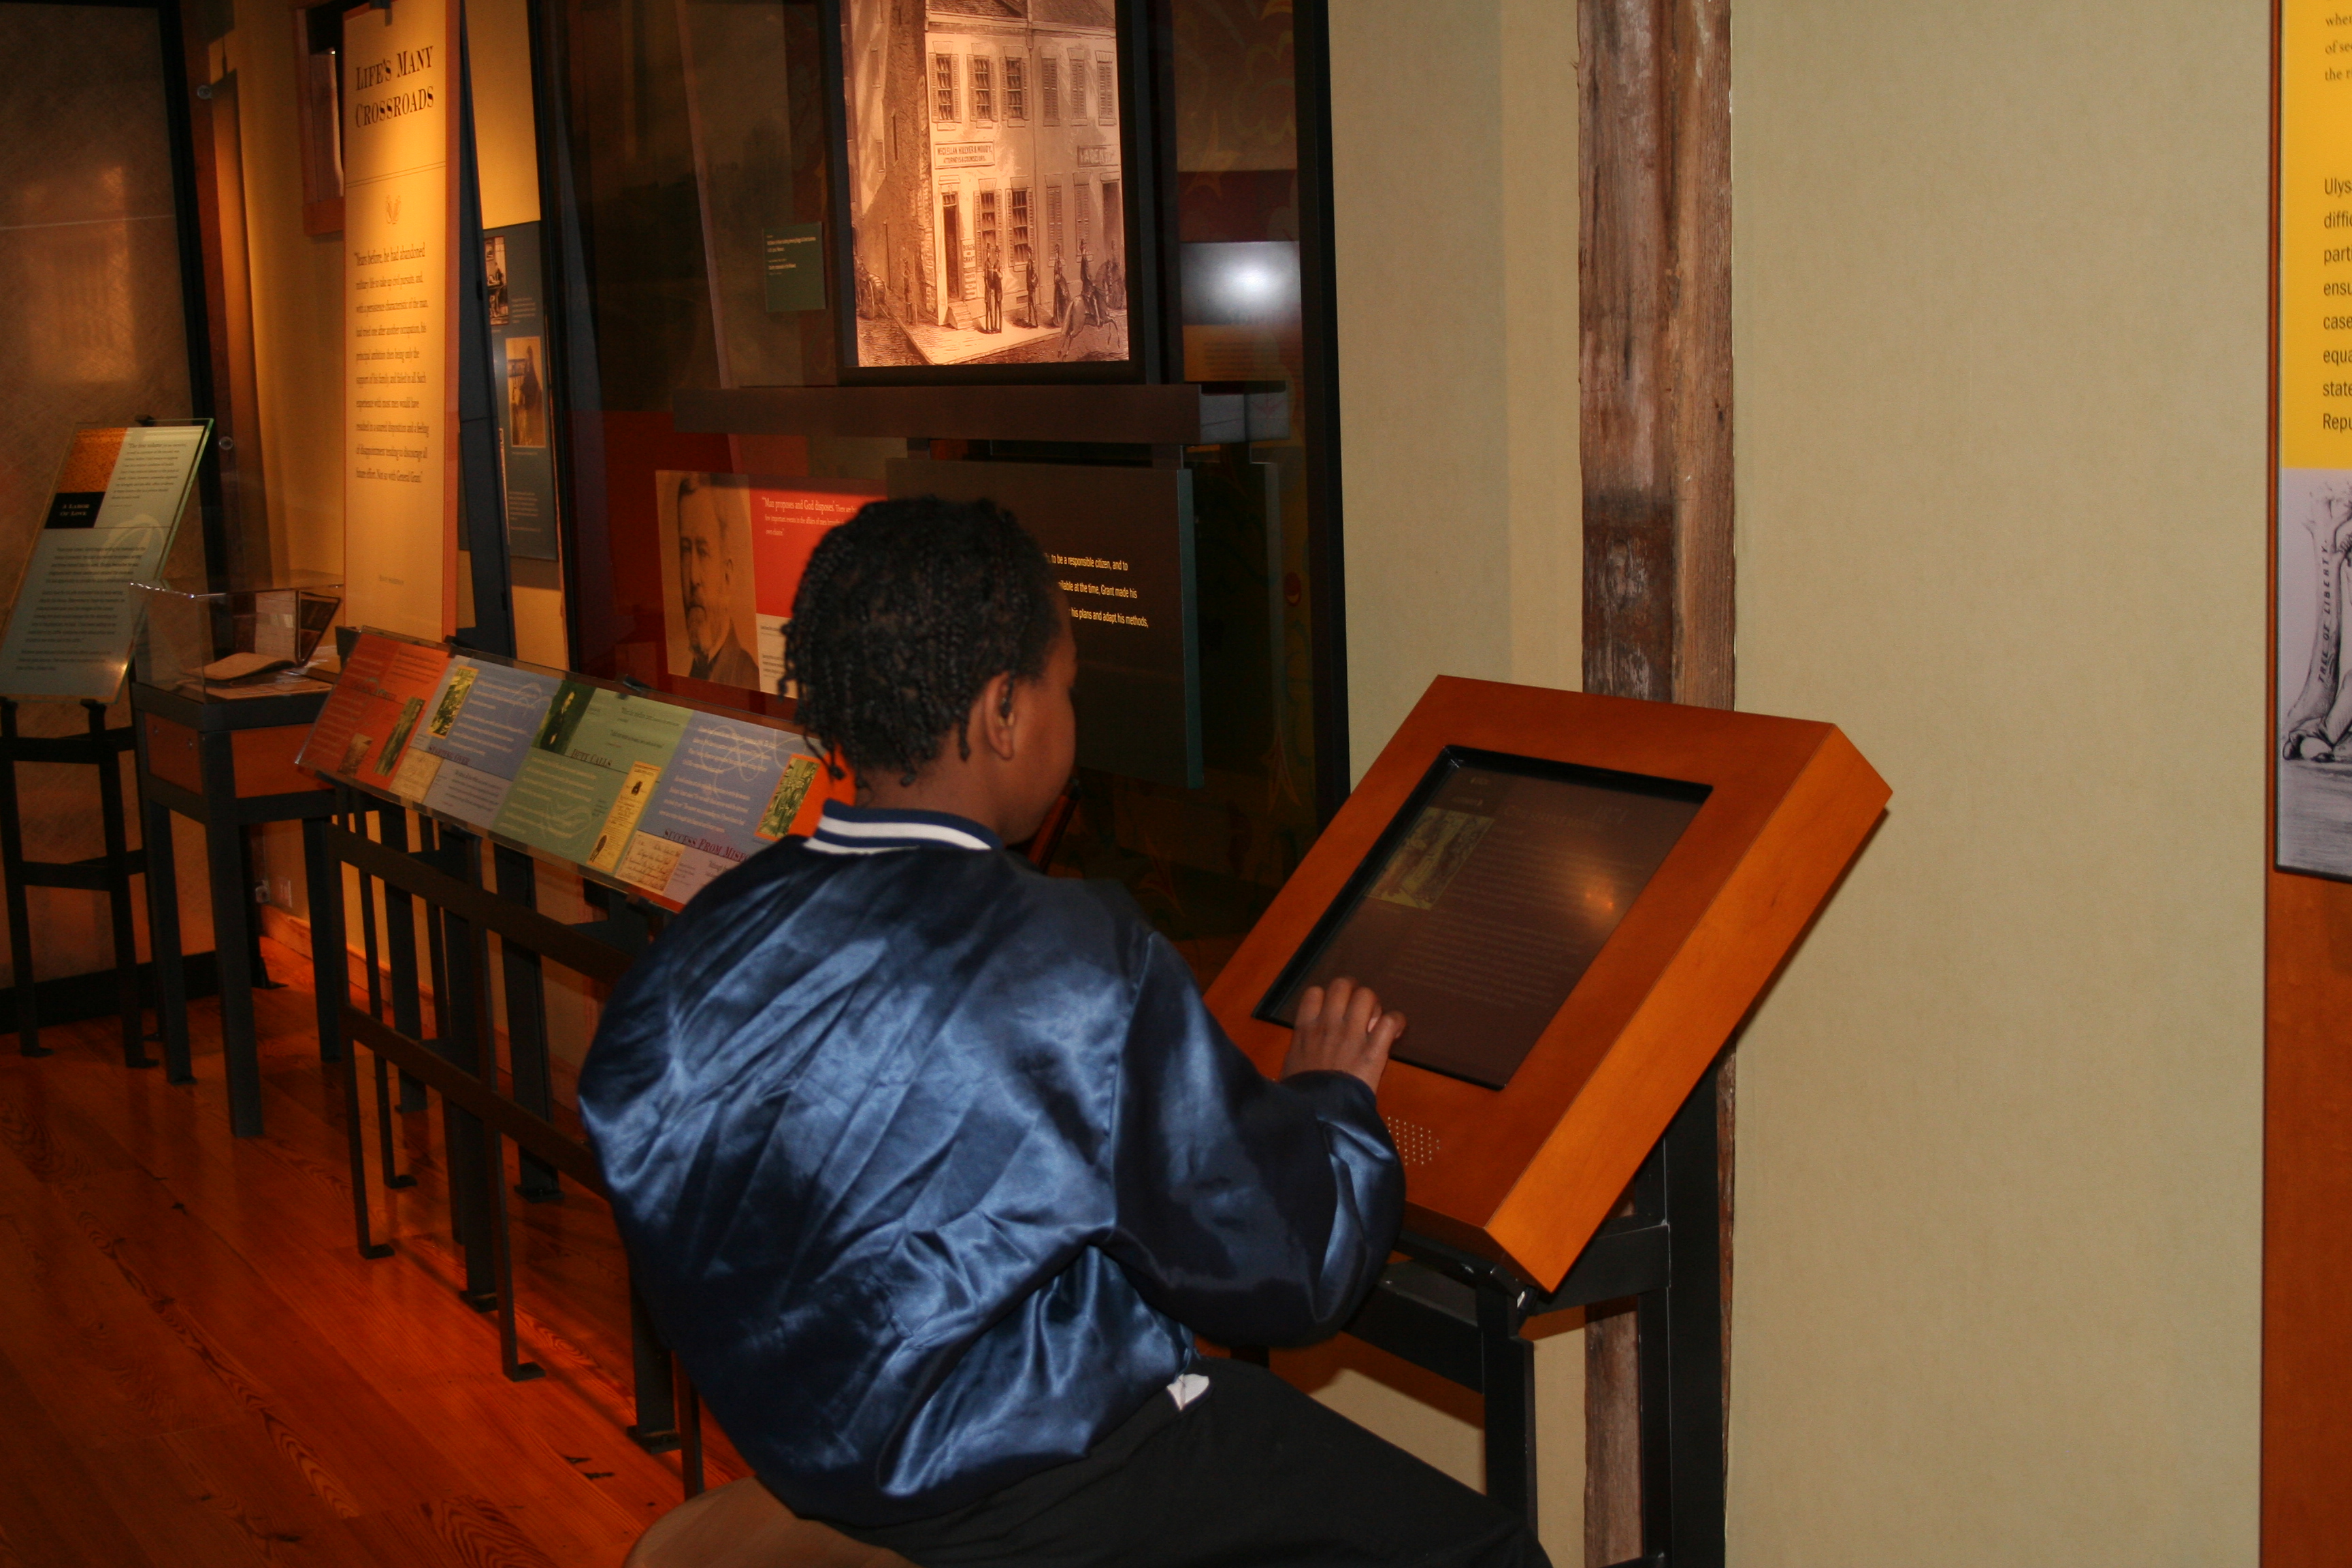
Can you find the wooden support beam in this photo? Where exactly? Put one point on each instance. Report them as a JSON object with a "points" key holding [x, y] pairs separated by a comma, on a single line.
{"points": [[1654, 291]]}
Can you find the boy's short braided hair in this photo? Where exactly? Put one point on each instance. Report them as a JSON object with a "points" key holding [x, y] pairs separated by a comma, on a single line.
{"points": [[906, 611]]}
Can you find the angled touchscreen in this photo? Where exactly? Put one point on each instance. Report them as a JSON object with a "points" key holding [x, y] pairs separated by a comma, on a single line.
{"points": [[1487, 898]]}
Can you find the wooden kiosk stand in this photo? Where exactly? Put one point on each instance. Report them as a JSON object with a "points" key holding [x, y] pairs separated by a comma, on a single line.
{"points": [[1574, 900]]}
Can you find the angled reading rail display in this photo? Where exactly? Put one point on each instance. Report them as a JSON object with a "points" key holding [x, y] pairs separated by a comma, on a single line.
{"points": [[1574, 899]]}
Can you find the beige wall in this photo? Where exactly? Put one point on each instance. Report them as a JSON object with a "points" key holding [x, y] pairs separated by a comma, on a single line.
{"points": [[298, 282], [297, 299], [1999, 358], [1454, 180], [2000, 303], [1453, 184]]}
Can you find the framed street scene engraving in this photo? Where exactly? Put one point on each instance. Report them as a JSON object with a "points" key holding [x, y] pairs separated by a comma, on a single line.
{"points": [[992, 192]]}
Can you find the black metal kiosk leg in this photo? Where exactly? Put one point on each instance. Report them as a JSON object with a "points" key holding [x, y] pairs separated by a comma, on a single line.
{"points": [[329, 966], [690, 1432], [1680, 1333], [458, 1014], [657, 1391], [1461, 1316], [400, 956], [477, 954], [328, 972], [1507, 1368], [534, 1089], [372, 955]]}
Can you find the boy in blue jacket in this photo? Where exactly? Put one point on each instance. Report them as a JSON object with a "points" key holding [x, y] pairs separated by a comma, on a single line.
{"points": [[930, 1167]]}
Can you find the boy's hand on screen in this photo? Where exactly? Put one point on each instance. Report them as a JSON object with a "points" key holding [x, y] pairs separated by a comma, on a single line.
{"points": [[1342, 1029]]}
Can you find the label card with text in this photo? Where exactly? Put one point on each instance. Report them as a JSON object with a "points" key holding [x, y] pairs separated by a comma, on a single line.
{"points": [[588, 772], [375, 712], [731, 790], [482, 721]]}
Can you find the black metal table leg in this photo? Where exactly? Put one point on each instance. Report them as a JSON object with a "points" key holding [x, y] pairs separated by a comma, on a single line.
{"points": [[20, 916], [119, 868], [163, 941], [232, 907]]}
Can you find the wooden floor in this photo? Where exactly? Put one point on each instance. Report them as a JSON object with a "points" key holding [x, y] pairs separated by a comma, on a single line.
{"points": [[197, 1366]]}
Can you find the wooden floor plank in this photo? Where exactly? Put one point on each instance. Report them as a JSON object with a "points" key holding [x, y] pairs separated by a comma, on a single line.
{"points": [[91, 1351], [195, 1311], [56, 1506]]}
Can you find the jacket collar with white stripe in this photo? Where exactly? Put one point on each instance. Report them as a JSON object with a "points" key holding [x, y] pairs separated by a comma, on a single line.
{"points": [[873, 830]]}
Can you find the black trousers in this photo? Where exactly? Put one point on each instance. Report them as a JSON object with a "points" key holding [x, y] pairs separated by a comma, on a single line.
{"points": [[1251, 1472]]}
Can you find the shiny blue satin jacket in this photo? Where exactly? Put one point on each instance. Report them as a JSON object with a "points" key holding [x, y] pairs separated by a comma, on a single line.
{"points": [[929, 1166]]}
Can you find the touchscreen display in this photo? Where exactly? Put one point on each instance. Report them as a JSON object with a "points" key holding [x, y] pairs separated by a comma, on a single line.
{"points": [[1486, 901]]}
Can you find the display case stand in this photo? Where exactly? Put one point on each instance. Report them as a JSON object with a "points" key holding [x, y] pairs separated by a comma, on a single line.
{"points": [[108, 872], [1462, 1316], [228, 767]]}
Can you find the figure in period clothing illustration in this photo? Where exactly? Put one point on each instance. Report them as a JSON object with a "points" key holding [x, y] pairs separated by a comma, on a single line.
{"points": [[2316, 724]]}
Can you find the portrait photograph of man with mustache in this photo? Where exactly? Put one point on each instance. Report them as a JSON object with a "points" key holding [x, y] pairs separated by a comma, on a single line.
{"points": [[707, 528]]}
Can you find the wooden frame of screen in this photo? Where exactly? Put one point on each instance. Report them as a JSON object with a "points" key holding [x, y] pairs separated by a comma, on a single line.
{"points": [[1526, 1173]]}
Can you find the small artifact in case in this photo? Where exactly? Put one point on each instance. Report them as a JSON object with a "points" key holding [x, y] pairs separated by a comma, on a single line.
{"points": [[241, 642]]}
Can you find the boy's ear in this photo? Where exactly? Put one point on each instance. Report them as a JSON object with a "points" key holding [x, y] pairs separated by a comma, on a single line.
{"points": [[996, 716]]}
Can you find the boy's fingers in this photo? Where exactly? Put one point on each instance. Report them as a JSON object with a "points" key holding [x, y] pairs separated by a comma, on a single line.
{"points": [[1385, 1032], [1310, 1006], [1338, 995]]}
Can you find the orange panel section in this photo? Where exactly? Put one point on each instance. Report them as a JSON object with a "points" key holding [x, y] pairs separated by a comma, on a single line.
{"points": [[265, 761], [171, 754], [2307, 1225]]}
